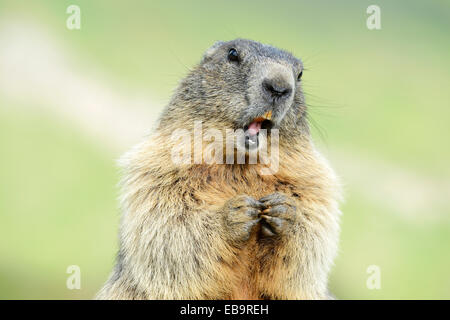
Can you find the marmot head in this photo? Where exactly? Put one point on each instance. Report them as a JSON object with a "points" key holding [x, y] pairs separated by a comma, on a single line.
{"points": [[242, 84]]}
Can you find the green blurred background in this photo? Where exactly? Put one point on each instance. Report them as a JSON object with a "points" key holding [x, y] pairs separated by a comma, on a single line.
{"points": [[72, 101]]}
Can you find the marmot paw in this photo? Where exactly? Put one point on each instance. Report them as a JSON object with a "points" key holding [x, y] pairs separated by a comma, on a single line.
{"points": [[241, 215], [278, 215]]}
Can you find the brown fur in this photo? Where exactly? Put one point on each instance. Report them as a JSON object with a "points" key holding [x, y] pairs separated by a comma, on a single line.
{"points": [[173, 241]]}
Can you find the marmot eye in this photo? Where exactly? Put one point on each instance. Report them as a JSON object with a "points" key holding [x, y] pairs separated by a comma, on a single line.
{"points": [[233, 55], [300, 75]]}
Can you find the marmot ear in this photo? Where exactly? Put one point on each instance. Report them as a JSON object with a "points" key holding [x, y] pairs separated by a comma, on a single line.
{"points": [[209, 53]]}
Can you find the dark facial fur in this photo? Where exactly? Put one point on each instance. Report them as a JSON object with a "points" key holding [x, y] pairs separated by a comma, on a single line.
{"points": [[231, 93]]}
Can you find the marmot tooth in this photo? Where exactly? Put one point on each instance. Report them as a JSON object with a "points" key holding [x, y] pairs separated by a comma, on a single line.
{"points": [[268, 115]]}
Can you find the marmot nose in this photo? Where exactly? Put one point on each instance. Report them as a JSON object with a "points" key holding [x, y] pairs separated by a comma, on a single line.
{"points": [[274, 89]]}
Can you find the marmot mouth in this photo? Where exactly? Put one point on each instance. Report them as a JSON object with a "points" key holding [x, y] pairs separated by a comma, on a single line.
{"points": [[253, 128]]}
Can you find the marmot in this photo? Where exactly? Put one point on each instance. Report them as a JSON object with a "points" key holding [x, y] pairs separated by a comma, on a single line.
{"points": [[197, 230]]}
